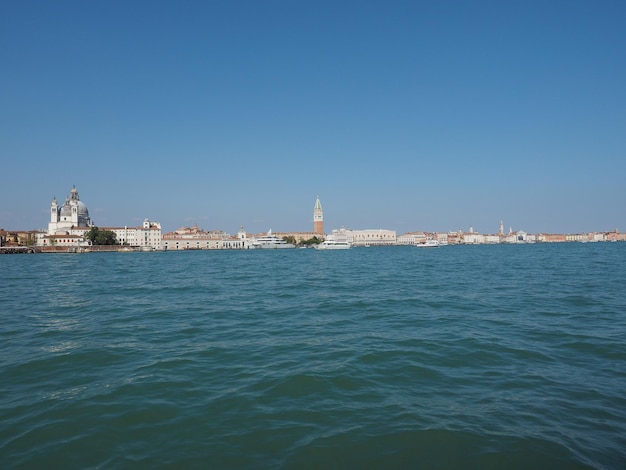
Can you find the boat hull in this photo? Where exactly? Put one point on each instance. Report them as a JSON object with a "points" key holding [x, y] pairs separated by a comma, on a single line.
{"points": [[333, 246], [429, 244], [272, 246]]}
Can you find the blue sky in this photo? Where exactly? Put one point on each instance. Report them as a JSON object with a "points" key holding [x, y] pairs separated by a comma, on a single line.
{"points": [[416, 115]]}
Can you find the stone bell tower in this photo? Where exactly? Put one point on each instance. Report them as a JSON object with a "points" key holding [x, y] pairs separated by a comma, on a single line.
{"points": [[318, 218]]}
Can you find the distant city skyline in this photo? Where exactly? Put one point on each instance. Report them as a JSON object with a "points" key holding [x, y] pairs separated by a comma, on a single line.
{"points": [[405, 115], [317, 221]]}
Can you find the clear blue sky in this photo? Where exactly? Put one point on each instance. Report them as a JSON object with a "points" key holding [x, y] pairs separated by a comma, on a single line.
{"points": [[416, 115]]}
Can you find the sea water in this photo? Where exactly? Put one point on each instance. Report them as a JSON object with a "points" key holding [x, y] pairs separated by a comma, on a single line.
{"points": [[503, 356]]}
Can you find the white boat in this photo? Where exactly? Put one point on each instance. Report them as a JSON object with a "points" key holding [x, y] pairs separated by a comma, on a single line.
{"points": [[333, 245], [430, 243], [270, 241]]}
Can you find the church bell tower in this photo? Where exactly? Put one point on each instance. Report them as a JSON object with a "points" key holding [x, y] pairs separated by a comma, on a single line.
{"points": [[318, 218], [54, 211]]}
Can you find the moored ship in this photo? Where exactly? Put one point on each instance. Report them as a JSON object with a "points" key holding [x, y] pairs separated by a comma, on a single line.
{"points": [[430, 243], [270, 241], [333, 245]]}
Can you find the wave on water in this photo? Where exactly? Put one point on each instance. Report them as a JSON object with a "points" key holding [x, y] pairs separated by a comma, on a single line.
{"points": [[460, 357]]}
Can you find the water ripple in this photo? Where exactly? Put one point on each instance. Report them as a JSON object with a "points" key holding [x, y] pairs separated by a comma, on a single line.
{"points": [[461, 357]]}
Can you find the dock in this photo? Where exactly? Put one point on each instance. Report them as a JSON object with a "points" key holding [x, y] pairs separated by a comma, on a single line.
{"points": [[12, 250]]}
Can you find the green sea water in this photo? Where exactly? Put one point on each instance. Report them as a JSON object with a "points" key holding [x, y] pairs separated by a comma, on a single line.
{"points": [[505, 356]]}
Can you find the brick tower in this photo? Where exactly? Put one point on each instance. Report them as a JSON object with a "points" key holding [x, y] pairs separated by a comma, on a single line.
{"points": [[318, 218]]}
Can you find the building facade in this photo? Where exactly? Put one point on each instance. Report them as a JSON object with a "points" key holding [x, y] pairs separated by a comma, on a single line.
{"points": [[379, 237], [148, 235], [194, 238]]}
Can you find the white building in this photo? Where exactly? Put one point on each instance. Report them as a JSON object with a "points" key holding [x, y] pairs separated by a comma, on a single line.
{"points": [[412, 238], [472, 238], [372, 237], [193, 238], [63, 240], [69, 223], [146, 236], [492, 239]]}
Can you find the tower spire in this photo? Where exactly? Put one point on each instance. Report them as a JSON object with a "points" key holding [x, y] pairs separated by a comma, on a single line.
{"points": [[318, 218]]}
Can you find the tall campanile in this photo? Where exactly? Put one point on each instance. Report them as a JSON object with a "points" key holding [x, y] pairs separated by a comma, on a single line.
{"points": [[318, 218]]}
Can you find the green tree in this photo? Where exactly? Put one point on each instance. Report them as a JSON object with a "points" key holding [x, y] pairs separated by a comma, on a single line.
{"points": [[101, 237], [91, 234], [311, 241], [290, 239]]}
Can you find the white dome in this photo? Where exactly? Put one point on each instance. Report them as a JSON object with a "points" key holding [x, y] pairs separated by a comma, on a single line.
{"points": [[83, 215], [66, 210]]}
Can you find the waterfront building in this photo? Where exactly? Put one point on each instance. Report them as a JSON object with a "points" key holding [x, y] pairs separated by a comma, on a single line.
{"points": [[455, 238], [551, 237], [491, 239], [379, 237], [194, 238], [65, 240], [20, 237], [69, 223], [441, 237], [516, 237], [147, 235], [318, 218], [472, 237], [614, 236], [412, 238]]}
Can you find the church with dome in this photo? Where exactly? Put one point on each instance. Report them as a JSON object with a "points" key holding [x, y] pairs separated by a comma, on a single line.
{"points": [[70, 222], [71, 215]]}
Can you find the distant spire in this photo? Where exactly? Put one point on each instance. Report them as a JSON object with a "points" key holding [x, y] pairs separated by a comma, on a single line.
{"points": [[318, 217]]}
